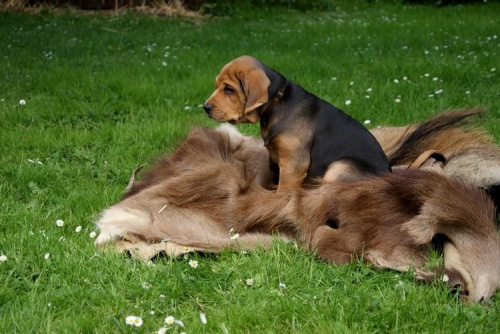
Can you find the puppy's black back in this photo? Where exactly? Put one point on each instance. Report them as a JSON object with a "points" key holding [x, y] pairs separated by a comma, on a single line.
{"points": [[337, 136]]}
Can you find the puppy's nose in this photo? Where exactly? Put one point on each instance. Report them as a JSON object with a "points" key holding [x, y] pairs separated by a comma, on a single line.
{"points": [[208, 107]]}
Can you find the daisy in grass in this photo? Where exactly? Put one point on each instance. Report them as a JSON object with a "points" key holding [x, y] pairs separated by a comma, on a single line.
{"points": [[193, 263], [445, 278], [78, 229], [163, 330], [235, 236], [132, 320], [186, 250], [46, 256], [146, 285], [203, 318], [3, 258], [92, 235], [171, 320], [249, 281], [22, 102], [60, 223]]}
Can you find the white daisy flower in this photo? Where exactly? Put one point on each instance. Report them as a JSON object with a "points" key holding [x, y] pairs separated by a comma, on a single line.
{"points": [[351, 83], [235, 236], [3, 258], [169, 320], [397, 100], [282, 286], [193, 263], [22, 102], [348, 102], [145, 285], [467, 92], [152, 312], [59, 223], [164, 63], [187, 107], [46, 256], [493, 69], [426, 74], [203, 318], [78, 229], [439, 91], [162, 330], [186, 250], [162, 296], [92, 235], [179, 323], [435, 79], [369, 90], [366, 122], [445, 278], [249, 281], [132, 320], [405, 78], [396, 81]]}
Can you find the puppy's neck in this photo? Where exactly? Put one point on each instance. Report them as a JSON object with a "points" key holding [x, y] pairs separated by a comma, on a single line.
{"points": [[276, 89]]}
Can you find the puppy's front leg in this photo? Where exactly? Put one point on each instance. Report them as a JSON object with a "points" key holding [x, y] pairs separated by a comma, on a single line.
{"points": [[293, 159]]}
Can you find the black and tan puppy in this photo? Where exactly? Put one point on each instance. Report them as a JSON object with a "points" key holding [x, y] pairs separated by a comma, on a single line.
{"points": [[306, 137]]}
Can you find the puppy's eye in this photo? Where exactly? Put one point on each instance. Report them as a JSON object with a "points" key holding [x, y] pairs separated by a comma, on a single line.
{"points": [[228, 90]]}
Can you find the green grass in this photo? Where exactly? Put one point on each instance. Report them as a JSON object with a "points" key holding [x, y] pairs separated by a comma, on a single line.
{"points": [[99, 102]]}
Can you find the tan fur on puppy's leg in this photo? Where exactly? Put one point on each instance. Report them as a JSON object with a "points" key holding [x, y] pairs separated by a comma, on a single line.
{"points": [[293, 159], [342, 170]]}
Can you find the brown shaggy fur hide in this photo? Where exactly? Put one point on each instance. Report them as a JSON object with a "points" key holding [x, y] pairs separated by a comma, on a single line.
{"points": [[215, 182]]}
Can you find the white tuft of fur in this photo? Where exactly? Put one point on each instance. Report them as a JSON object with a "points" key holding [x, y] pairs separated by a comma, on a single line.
{"points": [[116, 222], [235, 137]]}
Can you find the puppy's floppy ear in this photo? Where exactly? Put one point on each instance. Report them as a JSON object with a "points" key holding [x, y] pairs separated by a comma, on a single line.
{"points": [[255, 84]]}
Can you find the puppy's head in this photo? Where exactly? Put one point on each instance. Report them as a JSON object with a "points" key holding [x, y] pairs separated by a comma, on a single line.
{"points": [[240, 89]]}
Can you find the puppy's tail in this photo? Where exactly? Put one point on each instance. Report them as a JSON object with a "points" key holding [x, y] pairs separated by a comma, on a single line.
{"points": [[425, 134]]}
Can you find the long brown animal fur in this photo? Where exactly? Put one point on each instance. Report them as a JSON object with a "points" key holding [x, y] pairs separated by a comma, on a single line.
{"points": [[215, 181], [470, 153]]}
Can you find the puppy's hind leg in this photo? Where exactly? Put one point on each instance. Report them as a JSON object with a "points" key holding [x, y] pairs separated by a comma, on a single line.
{"points": [[342, 170]]}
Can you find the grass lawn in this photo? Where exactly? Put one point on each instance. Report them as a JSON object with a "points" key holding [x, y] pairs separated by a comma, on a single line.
{"points": [[104, 94]]}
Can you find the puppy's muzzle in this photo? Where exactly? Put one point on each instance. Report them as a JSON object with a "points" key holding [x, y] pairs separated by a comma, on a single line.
{"points": [[208, 108]]}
